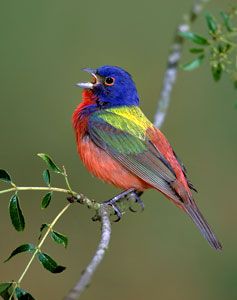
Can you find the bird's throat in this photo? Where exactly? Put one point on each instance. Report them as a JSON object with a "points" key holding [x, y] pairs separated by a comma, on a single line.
{"points": [[84, 109]]}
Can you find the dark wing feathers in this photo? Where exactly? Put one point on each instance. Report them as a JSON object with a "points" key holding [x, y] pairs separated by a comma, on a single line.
{"points": [[138, 155], [135, 154], [184, 169]]}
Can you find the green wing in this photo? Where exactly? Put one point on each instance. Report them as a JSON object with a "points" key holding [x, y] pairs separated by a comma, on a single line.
{"points": [[125, 140]]}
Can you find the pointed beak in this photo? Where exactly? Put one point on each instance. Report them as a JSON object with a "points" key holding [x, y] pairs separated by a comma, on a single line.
{"points": [[88, 85]]}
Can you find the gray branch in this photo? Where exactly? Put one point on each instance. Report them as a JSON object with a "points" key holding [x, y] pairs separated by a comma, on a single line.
{"points": [[163, 105], [173, 61], [85, 279]]}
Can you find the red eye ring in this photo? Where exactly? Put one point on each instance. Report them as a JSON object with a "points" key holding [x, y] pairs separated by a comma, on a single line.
{"points": [[109, 81]]}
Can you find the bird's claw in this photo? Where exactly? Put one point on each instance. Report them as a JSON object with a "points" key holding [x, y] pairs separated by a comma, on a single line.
{"points": [[117, 211], [132, 209], [136, 197], [130, 193], [112, 203]]}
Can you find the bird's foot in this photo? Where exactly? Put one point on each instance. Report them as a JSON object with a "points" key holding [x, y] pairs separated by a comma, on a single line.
{"points": [[135, 196], [113, 203], [129, 194]]}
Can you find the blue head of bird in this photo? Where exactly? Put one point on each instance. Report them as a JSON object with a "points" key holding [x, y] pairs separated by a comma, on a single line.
{"points": [[112, 86]]}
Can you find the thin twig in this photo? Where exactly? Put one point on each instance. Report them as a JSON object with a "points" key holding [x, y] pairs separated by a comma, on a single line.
{"points": [[173, 61], [82, 199], [38, 249], [85, 279], [37, 188]]}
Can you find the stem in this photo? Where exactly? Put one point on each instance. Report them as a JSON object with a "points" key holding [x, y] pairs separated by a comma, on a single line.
{"points": [[13, 291], [86, 277], [233, 44], [39, 188], [42, 242], [66, 179], [80, 198]]}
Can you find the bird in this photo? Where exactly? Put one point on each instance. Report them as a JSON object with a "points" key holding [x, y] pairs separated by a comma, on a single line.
{"points": [[119, 145]]}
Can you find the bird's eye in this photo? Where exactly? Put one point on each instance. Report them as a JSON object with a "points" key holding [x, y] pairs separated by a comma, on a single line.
{"points": [[109, 81]]}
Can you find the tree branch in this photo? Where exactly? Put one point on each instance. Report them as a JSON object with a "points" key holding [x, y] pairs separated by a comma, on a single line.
{"points": [[85, 279], [163, 105], [170, 75]]}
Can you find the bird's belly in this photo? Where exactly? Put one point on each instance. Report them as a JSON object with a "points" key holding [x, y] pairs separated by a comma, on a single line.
{"points": [[103, 166]]}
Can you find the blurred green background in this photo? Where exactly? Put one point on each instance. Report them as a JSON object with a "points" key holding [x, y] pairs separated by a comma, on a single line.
{"points": [[158, 254]]}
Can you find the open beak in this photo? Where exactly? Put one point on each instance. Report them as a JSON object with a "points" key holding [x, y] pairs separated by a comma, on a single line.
{"points": [[89, 85]]}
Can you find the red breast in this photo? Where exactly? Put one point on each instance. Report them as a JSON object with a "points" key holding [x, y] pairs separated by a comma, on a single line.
{"points": [[97, 161]]}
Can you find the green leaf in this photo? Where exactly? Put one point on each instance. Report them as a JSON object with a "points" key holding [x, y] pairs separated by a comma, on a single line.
{"points": [[43, 226], [226, 20], [196, 50], [16, 215], [23, 295], [197, 39], [235, 84], [4, 176], [194, 64], [6, 293], [235, 104], [49, 264], [46, 200], [216, 72], [227, 48], [211, 23], [46, 177], [50, 163], [23, 248], [4, 286], [59, 238]]}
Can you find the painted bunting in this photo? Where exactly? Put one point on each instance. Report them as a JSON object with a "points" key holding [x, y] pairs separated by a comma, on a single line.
{"points": [[119, 145]]}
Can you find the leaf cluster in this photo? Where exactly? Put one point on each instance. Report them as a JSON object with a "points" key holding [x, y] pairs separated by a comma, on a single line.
{"points": [[12, 290], [219, 47]]}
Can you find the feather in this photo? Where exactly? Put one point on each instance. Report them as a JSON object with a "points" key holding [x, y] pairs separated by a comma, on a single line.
{"points": [[127, 142], [197, 217], [118, 144]]}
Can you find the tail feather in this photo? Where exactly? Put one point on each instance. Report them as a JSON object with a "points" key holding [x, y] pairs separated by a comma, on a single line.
{"points": [[197, 217]]}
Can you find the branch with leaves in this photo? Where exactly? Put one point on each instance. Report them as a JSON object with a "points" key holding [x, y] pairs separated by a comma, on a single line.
{"points": [[170, 75], [12, 290], [219, 48]]}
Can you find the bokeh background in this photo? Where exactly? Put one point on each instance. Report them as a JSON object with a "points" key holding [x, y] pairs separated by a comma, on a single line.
{"points": [[157, 254]]}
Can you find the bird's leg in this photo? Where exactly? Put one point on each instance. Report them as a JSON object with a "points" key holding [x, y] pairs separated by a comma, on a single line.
{"points": [[136, 196], [112, 202]]}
